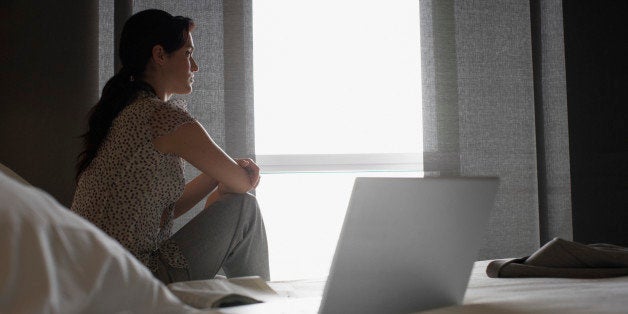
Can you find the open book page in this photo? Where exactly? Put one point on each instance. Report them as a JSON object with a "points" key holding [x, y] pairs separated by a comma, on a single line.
{"points": [[305, 288], [223, 292]]}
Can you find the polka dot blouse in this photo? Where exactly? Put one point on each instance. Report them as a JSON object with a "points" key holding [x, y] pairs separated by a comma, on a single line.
{"points": [[129, 189]]}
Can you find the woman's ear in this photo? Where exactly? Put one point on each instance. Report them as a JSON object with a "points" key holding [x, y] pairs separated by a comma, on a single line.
{"points": [[159, 54]]}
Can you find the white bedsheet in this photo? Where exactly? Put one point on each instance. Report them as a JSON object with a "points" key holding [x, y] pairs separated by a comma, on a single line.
{"points": [[541, 295], [484, 295]]}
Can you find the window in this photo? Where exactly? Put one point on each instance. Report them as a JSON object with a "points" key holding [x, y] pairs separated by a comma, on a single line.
{"points": [[337, 95]]}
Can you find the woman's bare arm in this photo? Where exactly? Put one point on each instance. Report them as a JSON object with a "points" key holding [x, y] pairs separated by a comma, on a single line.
{"points": [[251, 168], [191, 142], [203, 185], [193, 193]]}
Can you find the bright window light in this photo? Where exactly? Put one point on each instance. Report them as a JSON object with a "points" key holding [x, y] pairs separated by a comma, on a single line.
{"points": [[337, 95]]}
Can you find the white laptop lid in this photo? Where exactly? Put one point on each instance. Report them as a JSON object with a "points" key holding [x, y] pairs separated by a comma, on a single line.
{"points": [[408, 244]]}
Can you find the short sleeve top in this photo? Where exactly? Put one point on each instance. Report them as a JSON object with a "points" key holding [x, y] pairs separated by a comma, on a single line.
{"points": [[129, 189]]}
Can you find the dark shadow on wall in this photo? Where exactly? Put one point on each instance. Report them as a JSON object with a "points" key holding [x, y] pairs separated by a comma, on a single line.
{"points": [[596, 50], [49, 82]]}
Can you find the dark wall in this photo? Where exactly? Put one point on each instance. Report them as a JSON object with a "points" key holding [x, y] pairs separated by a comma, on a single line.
{"points": [[49, 82], [596, 56]]}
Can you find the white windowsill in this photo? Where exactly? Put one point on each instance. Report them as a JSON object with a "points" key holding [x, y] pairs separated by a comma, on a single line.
{"points": [[339, 162]]}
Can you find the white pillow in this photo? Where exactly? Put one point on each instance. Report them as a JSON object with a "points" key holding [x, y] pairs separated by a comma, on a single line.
{"points": [[54, 261]]}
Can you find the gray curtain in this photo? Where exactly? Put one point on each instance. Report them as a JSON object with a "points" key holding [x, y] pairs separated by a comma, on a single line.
{"points": [[222, 99], [495, 105]]}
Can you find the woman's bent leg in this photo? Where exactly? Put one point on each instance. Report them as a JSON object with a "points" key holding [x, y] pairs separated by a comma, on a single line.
{"points": [[229, 234]]}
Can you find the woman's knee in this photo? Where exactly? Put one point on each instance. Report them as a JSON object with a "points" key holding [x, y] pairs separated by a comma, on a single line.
{"points": [[245, 197], [245, 201]]}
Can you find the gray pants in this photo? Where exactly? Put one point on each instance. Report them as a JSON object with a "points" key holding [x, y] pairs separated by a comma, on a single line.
{"points": [[229, 234]]}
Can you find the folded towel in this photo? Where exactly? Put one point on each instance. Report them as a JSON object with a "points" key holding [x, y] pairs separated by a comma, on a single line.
{"points": [[565, 259]]}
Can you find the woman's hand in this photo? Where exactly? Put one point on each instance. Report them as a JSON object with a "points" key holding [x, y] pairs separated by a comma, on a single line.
{"points": [[252, 169]]}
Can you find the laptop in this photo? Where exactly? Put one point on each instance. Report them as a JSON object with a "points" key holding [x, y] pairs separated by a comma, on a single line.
{"points": [[406, 245]]}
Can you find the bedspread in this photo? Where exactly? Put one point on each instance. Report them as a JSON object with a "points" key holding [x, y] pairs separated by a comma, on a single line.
{"points": [[487, 295], [541, 295]]}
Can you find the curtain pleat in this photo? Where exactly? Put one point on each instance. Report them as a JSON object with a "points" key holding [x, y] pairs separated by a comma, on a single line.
{"points": [[107, 54], [550, 94], [222, 99], [238, 78], [122, 10], [438, 55], [481, 117]]}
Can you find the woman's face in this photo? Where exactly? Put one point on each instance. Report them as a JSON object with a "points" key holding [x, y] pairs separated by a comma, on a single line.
{"points": [[180, 68]]}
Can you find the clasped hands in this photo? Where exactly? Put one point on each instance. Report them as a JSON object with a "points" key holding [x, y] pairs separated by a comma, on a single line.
{"points": [[251, 168]]}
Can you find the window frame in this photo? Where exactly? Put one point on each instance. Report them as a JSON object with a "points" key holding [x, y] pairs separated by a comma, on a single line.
{"points": [[292, 163]]}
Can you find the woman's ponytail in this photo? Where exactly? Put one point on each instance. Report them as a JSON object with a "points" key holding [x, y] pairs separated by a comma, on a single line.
{"points": [[116, 95]]}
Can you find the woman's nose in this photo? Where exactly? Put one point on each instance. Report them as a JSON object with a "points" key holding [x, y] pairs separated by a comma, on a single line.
{"points": [[194, 65]]}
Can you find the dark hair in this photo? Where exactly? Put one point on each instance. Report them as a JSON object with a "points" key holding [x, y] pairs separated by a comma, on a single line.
{"points": [[140, 34]]}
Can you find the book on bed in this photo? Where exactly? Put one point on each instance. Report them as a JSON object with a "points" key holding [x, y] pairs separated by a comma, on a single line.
{"points": [[223, 292]]}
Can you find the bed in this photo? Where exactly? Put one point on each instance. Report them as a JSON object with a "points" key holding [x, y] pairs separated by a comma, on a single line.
{"points": [[486, 295], [53, 261], [541, 295]]}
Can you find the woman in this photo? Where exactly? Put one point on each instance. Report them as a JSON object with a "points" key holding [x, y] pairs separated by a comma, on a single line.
{"points": [[130, 175]]}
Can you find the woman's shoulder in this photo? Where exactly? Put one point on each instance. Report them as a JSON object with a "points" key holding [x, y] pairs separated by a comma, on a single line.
{"points": [[161, 117], [165, 116], [150, 100], [147, 105], [146, 98], [138, 112]]}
